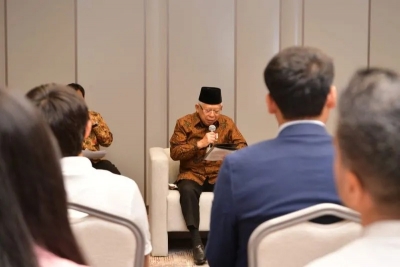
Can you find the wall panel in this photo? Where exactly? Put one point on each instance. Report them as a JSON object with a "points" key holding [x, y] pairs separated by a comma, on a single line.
{"points": [[200, 53], [40, 42], [156, 77], [340, 28], [291, 23], [257, 41], [385, 37], [111, 67]]}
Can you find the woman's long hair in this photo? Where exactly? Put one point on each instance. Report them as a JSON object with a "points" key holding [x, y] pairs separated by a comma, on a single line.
{"points": [[29, 162]]}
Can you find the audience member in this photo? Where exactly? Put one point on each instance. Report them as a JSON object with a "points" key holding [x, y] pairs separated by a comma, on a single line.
{"points": [[100, 135], [367, 168], [285, 174], [189, 141], [68, 117], [34, 225]]}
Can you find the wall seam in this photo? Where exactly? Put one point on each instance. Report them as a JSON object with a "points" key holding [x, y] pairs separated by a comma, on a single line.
{"points": [[369, 34], [76, 38], [145, 97], [5, 45], [167, 73], [235, 62], [302, 21]]}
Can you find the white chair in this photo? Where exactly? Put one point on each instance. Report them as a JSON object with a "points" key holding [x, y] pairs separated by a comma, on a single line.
{"points": [[107, 240], [293, 241], [164, 207]]}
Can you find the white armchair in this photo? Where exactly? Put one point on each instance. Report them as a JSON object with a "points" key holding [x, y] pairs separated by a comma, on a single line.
{"points": [[164, 207]]}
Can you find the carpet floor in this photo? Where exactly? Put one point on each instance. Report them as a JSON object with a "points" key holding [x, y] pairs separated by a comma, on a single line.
{"points": [[179, 255]]}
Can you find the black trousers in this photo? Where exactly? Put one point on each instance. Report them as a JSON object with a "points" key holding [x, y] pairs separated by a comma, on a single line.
{"points": [[190, 192], [105, 165]]}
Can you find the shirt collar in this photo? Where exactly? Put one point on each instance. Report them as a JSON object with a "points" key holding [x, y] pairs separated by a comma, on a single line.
{"points": [[74, 166], [389, 228], [290, 123]]}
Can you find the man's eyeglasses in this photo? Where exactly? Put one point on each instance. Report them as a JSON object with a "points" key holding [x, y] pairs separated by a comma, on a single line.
{"points": [[209, 110]]}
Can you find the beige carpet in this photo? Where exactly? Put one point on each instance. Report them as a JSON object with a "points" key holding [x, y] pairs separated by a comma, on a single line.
{"points": [[179, 254], [181, 258]]}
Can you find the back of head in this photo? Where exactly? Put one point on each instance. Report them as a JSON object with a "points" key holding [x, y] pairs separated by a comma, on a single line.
{"points": [[299, 80], [29, 168], [368, 134], [77, 87], [65, 112]]}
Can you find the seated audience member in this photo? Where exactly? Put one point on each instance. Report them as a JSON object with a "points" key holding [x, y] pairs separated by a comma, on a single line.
{"points": [[367, 168], [34, 225], [189, 142], [68, 117], [285, 174], [100, 135]]}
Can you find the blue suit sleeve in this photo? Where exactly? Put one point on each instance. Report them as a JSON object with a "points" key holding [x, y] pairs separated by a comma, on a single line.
{"points": [[222, 240]]}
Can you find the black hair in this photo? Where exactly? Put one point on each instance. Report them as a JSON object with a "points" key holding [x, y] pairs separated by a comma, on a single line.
{"points": [[65, 112], [32, 187], [299, 80]]}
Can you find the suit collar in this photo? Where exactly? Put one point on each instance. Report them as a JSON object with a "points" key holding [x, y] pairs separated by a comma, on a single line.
{"points": [[303, 129]]}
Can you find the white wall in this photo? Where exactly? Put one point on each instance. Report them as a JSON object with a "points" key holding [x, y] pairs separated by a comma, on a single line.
{"points": [[143, 61]]}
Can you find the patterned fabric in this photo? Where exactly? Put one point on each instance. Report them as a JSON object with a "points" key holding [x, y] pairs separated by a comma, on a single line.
{"points": [[100, 134], [188, 131]]}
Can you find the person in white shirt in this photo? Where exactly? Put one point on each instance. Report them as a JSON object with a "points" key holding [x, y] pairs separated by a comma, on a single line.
{"points": [[367, 168], [68, 117]]}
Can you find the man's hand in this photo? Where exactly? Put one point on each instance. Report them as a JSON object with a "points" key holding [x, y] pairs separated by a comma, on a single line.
{"points": [[209, 138]]}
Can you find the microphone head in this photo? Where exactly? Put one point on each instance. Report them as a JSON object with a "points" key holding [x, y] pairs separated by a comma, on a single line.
{"points": [[212, 128]]}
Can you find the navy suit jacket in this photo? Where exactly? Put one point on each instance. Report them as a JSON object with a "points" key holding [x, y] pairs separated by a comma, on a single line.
{"points": [[267, 180]]}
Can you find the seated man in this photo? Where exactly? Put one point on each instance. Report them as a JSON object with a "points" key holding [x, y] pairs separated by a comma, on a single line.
{"points": [[189, 141], [100, 135], [288, 173], [367, 168], [68, 117]]}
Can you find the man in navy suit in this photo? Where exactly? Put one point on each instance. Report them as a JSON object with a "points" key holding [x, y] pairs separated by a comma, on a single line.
{"points": [[285, 174]]}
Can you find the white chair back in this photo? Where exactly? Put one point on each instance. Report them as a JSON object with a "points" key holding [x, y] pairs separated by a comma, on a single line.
{"points": [[173, 167], [293, 241], [107, 240]]}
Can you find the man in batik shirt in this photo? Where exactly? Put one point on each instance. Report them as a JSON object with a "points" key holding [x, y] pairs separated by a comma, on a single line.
{"points": [[188, 144], [99, 136]]}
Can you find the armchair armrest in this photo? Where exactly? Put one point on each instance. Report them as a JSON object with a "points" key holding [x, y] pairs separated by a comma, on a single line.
{"points": [[159, 171]]}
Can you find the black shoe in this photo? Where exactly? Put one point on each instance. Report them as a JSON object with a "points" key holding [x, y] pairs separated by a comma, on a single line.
{"points": [[199, 255]]}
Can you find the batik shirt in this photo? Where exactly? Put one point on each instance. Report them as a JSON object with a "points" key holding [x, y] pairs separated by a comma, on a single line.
{"points": [[183, 146], [100, 134]]}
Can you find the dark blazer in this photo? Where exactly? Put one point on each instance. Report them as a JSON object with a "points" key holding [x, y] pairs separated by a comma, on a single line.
{"points": [[267, 180]]}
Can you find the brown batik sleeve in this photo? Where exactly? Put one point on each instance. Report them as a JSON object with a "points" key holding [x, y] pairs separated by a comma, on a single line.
{"points": [[180, 149], [103, 134], [237, 138]]}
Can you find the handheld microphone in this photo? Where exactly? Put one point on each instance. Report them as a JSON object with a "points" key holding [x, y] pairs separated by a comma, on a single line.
{"points": [[211, 128]]}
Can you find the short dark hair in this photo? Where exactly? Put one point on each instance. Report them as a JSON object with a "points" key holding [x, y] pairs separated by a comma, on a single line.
{"points": [[66, 113], [368, 132], [33, 197], [299, 80], [77, 87]]}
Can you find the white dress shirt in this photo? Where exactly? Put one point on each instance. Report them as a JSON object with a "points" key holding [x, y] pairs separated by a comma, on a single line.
{"points": [[290, 123], [378, 246], [105, 191]]}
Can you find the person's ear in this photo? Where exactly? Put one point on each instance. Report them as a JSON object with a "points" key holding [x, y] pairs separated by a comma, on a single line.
{"points": [[331, 98], [88, 128], [271, 105], [354, 196]]}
